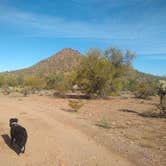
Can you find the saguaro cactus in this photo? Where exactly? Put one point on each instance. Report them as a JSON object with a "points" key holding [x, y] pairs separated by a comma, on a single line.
{"points": [[162, 93]]}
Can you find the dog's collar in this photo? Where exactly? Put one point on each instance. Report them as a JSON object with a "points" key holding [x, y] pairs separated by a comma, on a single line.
{"points": [[14, 123]]}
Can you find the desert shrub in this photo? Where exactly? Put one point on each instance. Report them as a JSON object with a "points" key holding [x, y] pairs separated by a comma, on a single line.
{"points": [[25, 92], [50, 82], [130, 85], [10, 80], [18, 89], [7, 80], [15, 94], [60, 82], [34, 82], [75, 105], [6, 91], [61, 87], [116, 86], [53, 79], [144, 90], [1, 80]]}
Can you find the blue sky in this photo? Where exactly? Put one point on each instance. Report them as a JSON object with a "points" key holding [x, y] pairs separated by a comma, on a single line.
{"points": [[33, 30]]}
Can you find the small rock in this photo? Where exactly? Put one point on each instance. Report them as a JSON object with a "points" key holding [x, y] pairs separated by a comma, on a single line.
{"points": [[128, 123]]}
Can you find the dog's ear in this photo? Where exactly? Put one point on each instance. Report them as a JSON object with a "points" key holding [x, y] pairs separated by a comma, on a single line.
{"points": [[14, 120]]}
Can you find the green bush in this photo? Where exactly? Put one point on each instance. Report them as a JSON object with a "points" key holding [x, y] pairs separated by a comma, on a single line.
{"points": [[9, 80], [52, 80], [94, 74], [75, 105], [100, 73], [144, 90], [34, 82]]}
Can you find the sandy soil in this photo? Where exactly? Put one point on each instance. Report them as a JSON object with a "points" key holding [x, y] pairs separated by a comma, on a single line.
{"points": [[118, 131], [52, 141]]}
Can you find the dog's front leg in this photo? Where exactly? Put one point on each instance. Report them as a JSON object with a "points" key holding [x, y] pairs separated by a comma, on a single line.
{"points": [[23, 149], [12, 137], [11, 141]]}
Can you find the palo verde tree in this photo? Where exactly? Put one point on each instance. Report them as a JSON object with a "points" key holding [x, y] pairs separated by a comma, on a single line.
{"points": [[95, 73], [100, 72], [118, 58]]}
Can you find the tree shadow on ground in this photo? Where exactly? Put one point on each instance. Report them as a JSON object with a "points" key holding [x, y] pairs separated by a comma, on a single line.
{"points": [[7, 140], [68, 110], [103, 126], [145, 114], [72, 96]]}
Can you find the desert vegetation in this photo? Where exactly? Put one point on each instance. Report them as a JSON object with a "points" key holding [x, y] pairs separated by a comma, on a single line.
{"points": [[96, 74], [75, 105], [113, 100], [162, 93]]}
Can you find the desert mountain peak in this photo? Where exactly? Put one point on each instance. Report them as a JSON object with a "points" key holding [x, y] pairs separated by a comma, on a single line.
{"points": [[63, 61]]}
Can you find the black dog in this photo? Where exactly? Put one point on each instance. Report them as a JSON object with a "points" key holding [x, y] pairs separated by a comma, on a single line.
{"points": [[18, 135]]}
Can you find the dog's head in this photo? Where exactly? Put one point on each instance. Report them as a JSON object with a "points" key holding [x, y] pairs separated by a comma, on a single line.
{"points": [[13, 121]]}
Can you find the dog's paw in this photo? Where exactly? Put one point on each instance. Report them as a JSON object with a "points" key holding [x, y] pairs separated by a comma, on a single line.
{"points": [[22, 149]]}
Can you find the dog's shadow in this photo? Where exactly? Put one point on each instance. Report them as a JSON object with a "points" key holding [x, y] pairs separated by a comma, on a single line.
{"points": [[7, 140]]}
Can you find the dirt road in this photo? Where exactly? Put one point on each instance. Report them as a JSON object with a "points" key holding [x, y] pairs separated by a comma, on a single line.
{"points": [[52, 139]]}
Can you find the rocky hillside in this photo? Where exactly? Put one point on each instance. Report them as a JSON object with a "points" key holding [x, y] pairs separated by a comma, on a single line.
{"points": [[63, 61]]}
